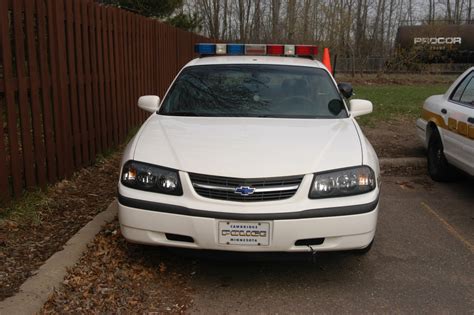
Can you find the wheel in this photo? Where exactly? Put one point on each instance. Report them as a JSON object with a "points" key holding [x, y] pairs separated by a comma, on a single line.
{"points": [[364, 250], [438, 167]]}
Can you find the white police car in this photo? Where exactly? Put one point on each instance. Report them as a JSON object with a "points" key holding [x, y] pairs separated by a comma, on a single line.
{"points": [[253, 148], [446, 128]]}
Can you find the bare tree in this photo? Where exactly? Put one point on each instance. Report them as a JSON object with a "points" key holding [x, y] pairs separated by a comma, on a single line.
{"points": [[291, 19], [276, 5]]}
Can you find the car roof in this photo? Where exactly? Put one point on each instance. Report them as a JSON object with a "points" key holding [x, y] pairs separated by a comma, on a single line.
{"points": [[265, 60]]}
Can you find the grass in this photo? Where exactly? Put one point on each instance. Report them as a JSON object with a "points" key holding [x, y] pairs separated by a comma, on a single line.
{"points": [[394, 101], [25, 208]]}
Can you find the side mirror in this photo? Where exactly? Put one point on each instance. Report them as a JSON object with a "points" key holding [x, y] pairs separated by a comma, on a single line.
{"points": [[346, 89], [150, 103], [360, 107]]}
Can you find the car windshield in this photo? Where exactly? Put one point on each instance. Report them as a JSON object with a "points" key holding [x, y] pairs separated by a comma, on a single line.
{"points": [[254, 91]]}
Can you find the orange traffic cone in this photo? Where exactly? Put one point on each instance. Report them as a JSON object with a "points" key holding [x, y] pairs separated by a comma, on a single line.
{"points": [[327, 59]]}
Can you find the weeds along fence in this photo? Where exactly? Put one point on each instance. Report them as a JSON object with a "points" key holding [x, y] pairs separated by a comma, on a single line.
{"points": [[70, 75]]}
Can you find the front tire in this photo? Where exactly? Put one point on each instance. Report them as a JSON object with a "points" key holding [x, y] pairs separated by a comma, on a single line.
{"points": [[438, 167]]}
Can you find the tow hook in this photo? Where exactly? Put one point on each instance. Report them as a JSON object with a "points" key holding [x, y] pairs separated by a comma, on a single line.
{"points": [[313, 253]]}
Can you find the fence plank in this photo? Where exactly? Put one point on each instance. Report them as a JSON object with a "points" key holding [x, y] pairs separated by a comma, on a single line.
{"points": [[25, 120], [143, 63], [136, 63], [88, 80], [118, 73], [76, 129], [12, 117], [113, 78], [108, 85], [46, 92], [81, 84], [123, 75], [128, 81], [56, 86], [94, 76], [147, 58], [160, 63], [4, 173], [101, 83], [64, 104], [40, 151]]}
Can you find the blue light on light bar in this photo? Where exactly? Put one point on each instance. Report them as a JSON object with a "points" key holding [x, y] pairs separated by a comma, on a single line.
{"points": [[235, 49], [205, 49]]}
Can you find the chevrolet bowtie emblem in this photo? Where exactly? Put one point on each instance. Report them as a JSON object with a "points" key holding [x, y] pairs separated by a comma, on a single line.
{"points": [[244, 190]]}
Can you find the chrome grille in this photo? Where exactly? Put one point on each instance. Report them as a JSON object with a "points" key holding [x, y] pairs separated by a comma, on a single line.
{"points": [[266, 189]]}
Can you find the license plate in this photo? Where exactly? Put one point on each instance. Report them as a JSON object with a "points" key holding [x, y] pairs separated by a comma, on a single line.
{"points": [[244, 233]]}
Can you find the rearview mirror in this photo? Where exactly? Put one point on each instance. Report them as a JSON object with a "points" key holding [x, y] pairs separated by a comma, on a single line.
{"points": [[150, 103], [345, 89], [360, 107], [335, 106]]}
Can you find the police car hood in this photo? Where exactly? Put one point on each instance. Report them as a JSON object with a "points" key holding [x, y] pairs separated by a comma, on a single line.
{"points": [[248, 147]]}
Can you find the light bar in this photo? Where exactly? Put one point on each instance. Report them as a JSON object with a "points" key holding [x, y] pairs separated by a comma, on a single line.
{"points": [[221, 49], [275, 50], [235, 49], [306, 50], [205, 49], [256, 49], [289, 50]]}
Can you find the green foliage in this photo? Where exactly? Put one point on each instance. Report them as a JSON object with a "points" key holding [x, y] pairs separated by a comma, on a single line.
{"points": [[149, 8], [391, 101], [162, 9], [190, 23]]}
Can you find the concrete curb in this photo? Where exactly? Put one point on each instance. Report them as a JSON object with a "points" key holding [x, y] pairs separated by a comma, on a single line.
{"points": [[414, 162], [35, 291]]}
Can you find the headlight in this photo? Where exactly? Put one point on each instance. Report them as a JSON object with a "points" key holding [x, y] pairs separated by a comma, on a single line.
{"points": [[149, 177], [344, 182]]}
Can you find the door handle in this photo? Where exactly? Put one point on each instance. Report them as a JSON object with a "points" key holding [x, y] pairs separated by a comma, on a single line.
{"points": [[470, 120], [444, 111]]}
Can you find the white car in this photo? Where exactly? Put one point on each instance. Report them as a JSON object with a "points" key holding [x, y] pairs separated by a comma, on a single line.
{"points": [[446, 128], [251, 152]]}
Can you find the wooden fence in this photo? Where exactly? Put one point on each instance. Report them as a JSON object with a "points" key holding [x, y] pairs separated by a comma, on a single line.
{"points": [[70, 75]]}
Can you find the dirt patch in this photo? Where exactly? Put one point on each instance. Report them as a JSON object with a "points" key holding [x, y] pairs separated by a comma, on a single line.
{"points": [[117, 277], [395, 138], [66, 207]]}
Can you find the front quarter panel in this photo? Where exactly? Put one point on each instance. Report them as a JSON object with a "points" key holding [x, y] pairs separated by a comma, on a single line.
{"points": [[432, 110], [129, 151], [369, 156]]}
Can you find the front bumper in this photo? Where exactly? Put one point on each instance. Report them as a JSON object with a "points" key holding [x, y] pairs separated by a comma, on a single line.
{"points": [[421, 130], [339, 232], [343, 223]]}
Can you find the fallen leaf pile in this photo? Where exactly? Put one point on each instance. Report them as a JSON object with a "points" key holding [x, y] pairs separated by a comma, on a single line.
{"points": [[117, 277], [67, 207]]}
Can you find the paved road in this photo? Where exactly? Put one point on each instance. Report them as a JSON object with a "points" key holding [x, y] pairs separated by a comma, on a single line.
{"points": [[422, 261]]}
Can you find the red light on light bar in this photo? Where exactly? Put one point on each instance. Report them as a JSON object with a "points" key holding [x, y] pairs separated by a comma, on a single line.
{"points": [[306, 50], [275, 50]]}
